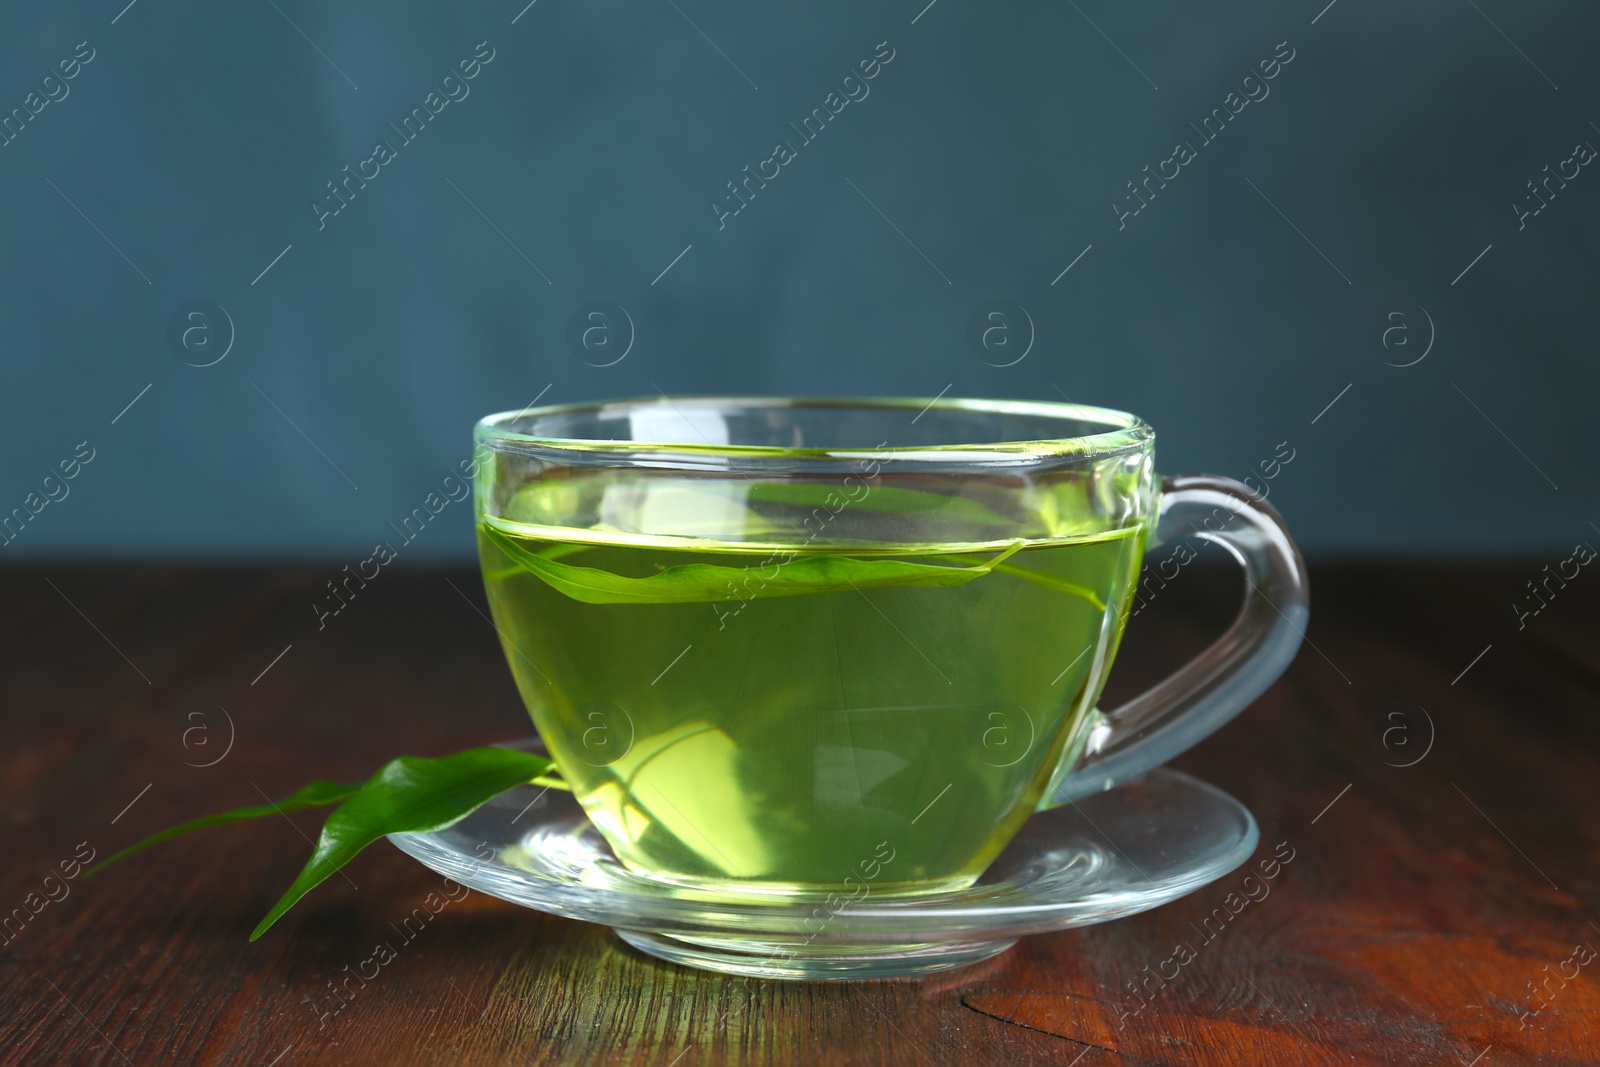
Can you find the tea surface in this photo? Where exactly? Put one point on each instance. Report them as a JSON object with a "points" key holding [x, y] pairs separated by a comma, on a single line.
{"points": [[728, 713]]}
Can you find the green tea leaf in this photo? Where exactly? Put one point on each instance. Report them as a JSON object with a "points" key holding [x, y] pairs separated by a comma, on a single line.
{"points": [[409, 794], [1053, 581], [551, 551], [704, 582], [1049, 581], [315, 795]]}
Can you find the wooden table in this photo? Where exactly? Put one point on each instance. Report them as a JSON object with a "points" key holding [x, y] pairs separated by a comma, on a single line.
{"points": [[1439, 912]]}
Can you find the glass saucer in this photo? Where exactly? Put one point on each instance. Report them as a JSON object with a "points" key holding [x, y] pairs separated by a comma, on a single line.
{"points": [[1104, 856]]}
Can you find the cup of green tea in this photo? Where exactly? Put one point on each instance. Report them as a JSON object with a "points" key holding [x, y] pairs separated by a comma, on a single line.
{"points": [[771, 641]]}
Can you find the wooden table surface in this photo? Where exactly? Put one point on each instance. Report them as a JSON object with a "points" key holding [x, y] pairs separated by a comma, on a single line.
{"points": [[1438, 803]]}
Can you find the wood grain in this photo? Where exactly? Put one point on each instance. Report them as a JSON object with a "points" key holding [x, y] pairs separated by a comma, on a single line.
{"points": [[1433, 913]]}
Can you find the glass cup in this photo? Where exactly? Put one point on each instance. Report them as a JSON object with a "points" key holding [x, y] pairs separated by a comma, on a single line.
{"points": [[794, 647]]}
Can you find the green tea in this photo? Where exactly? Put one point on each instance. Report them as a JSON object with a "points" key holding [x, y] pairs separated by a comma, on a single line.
{"points": [[724, 711]]}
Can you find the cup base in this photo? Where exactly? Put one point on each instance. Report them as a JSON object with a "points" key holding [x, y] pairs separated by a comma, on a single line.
{"points": [[811, 961], [800, 894], [1102, 857]]}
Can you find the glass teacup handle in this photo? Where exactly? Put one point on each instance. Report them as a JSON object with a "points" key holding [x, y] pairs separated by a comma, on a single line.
{"points": [[1111, 747]]}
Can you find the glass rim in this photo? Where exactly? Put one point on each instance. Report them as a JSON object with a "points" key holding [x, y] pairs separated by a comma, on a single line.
{"points": [[1121, 430]]}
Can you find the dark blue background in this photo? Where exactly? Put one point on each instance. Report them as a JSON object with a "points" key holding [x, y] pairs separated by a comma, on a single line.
{"points": [[995, 142]]}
